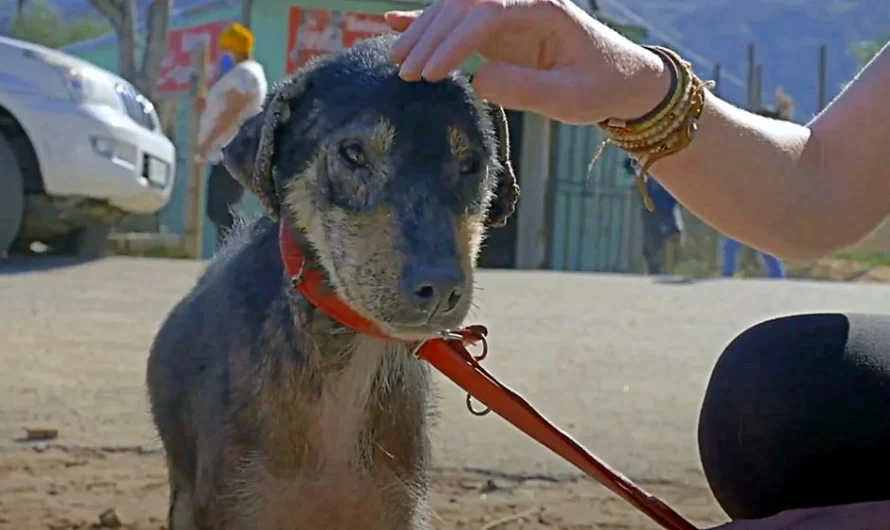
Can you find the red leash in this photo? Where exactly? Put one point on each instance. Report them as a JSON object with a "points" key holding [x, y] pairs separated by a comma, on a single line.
{"points": [[449, 355]]}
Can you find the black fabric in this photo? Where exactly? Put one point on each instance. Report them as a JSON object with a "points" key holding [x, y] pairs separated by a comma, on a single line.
{"points": [[797, 414], [223, 192]]}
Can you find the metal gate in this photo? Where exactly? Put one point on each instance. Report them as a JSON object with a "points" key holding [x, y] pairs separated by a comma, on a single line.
{"points": [[596, 213]]}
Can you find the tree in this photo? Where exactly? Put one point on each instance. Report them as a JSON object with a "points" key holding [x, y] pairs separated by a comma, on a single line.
{"points": [[246, 11], [41, 23], [865, 51], [122, 15]]}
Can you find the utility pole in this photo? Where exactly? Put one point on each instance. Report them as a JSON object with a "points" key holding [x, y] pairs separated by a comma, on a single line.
{"points": [[749, 100], [716, 77], [246, 12], [823, 65], [758, 86], [194, 209]]}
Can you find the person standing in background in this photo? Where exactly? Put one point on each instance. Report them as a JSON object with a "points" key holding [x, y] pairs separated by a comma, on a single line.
{"points": [[729, 263], [661, 227], [727, 247], [237, 95]]}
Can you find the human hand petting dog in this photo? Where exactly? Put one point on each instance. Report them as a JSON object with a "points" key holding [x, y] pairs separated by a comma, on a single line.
{"points": [[550, 57], [547, 56]]}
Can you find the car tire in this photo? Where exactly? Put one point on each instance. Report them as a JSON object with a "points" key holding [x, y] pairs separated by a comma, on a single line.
{"points": [[88, 242], [12, 196]]}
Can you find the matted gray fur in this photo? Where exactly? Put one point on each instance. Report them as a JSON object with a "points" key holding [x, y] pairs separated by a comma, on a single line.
{"points": [[273, 416]]}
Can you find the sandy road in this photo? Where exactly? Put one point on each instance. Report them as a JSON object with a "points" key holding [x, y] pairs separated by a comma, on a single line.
{"points": [[619, 362]]}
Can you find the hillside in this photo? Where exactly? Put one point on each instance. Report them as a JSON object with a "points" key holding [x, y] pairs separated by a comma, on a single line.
{"points": [[788, 34]]}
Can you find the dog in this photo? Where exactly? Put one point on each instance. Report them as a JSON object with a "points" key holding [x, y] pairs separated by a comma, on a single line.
{"points": [[272, 415]]}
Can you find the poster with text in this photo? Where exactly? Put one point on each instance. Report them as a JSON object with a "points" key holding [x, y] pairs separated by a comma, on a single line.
{"points": [[313, 32], [176, 68]]}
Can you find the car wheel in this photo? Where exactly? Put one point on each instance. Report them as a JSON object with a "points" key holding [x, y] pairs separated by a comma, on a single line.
{"points": [[12, 196], [88, 242]]}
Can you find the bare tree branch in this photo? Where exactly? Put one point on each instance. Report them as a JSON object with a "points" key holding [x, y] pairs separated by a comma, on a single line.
{"points": [[113, 10], [155, 44], [122, 15]]}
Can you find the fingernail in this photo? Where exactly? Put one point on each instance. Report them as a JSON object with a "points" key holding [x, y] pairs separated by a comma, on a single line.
{"points": [[429, 76], [406, 74]]}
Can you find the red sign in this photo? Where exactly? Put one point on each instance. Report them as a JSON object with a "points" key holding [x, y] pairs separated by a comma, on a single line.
{"points": [[313, 32], [176, 68]]}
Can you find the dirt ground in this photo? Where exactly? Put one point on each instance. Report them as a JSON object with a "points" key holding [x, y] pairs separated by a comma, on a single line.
{"points": [[59, 488], [620, 362]]}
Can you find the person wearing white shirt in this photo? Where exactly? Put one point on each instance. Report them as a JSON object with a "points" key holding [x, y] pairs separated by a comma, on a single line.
{"points": [[237, 95]]}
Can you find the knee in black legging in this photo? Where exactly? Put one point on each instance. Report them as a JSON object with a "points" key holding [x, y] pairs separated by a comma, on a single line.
{"points": [[797, 414]]}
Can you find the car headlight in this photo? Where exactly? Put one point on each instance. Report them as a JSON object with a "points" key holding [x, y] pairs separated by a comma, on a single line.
{"points": [[79, 84]]}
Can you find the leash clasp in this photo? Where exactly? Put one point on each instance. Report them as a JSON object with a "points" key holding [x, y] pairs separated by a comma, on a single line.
{"points": [[468, 336]]}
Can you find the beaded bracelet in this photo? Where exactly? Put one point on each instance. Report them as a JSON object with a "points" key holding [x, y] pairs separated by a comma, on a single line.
{"points": [[667, 129]]}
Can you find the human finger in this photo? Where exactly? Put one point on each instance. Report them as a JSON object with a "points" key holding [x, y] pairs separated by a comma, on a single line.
{"points": [[448, 19], [400, 20], [517, 87], [406, 42], [458, 44]]}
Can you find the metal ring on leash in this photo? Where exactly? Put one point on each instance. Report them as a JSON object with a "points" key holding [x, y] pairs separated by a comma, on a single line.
{"points": [[474, 411]]}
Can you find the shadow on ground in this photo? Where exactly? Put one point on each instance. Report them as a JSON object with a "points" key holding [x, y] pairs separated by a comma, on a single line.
{"points": [[20, 264]]}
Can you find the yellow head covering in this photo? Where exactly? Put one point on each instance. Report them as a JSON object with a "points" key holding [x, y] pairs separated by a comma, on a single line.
{"points": [[236, 39]]}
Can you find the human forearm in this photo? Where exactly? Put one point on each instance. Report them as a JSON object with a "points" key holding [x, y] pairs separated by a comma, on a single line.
{"points": [[744, 175], [798, 192], [225, 122], [235, 104], [794, 191]]}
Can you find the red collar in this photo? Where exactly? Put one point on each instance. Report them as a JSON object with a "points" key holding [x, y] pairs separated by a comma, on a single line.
{"points": [[312, 285], [449, 355]]}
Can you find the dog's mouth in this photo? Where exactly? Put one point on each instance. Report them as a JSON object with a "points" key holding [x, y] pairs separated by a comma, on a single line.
{"points": [[419, 327], [406, 322]]}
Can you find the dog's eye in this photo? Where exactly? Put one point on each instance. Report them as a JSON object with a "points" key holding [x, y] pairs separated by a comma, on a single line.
{"points": [[469, 166], [354, 153]]}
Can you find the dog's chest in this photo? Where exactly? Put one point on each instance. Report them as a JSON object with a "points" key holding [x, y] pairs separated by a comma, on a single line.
{"points": [[338, 473], [332, 500]]}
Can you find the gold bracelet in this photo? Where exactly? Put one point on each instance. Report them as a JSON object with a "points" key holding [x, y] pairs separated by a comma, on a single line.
{"points": [[664, 131]]}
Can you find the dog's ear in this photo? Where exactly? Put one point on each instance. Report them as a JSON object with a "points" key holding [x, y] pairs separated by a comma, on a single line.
{"points": [[249, 156], [507, 192]]}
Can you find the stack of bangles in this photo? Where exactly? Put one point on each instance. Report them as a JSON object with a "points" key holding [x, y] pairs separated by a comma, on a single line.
{"points": [[668, 129]]}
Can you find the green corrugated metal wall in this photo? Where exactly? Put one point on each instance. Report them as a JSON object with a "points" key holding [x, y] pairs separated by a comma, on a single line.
{"points": [[596, 224]]}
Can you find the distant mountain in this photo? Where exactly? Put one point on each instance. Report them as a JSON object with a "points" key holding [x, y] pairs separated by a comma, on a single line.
{"points": [[787, 34]]}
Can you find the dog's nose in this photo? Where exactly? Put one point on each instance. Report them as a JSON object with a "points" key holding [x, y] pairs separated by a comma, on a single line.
{"points": [[427, 287]]}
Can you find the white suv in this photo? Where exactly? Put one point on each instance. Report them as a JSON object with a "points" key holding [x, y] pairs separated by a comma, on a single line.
{"points": [[79, 149]]}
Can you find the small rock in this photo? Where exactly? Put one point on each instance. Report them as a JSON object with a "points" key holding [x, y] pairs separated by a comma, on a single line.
{"points": [[40, 434], [109, 519], [488, 487]]}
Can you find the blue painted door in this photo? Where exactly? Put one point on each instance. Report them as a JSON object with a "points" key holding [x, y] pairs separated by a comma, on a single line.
{"points": [[596, 212]]}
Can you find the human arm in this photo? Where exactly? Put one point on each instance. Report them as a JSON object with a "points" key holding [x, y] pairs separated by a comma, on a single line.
{"points": [[236, 103], [794, 191]]}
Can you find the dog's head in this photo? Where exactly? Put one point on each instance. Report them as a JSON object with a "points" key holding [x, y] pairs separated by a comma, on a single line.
{"points": [[392, 184]]}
